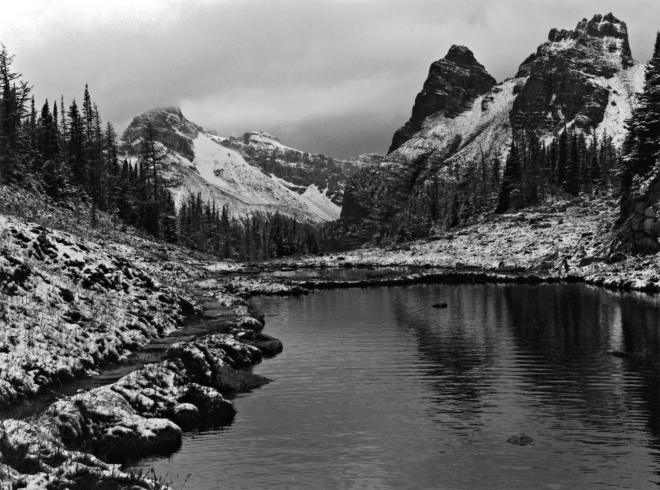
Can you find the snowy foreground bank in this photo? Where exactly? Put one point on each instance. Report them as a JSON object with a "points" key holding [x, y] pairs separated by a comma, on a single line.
{"points": [[70, 306]]}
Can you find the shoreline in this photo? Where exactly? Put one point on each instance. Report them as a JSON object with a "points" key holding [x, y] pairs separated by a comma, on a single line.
{"points": [[249, 286], [143, 413], [147, 411], [153, 404]]}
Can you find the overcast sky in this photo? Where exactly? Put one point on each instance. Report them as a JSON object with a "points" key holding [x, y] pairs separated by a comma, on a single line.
{"points": [[330, 76]]}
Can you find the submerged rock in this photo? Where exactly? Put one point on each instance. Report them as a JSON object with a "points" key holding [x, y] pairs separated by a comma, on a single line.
{"points": [[521, 439], [617, 353]]}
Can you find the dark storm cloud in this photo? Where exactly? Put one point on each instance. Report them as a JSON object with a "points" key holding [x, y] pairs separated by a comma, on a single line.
{"points": [[330, 76]]}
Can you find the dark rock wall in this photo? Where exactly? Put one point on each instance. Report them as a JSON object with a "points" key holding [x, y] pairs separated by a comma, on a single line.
{"points": [[560, 85], [452, 84]]}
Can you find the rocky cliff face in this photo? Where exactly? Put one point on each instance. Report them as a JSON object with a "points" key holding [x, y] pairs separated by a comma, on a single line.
{"points": [[253, 173], [568, 78], [447, 161], [452, 84], [296, 169]]}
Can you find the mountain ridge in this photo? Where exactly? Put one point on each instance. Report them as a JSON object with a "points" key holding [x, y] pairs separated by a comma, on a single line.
{"points": [[582, 80], [252, 173]]}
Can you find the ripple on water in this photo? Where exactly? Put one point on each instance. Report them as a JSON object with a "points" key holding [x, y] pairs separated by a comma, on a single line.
{"points": [[377, 389]]}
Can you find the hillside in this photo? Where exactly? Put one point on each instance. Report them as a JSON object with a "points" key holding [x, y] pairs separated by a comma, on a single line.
{"points": [[249, 174]]}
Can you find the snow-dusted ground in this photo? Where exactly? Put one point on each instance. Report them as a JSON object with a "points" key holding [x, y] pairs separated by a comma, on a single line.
{"points": [[561, 240], [69, 303], [483, 131]]}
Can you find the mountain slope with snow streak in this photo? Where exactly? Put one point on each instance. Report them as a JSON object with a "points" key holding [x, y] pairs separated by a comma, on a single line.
{"points": [[200, 162]]}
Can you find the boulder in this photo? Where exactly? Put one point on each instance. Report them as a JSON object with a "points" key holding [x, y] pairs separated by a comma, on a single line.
{"points": [[521, 439], [251, 323], [214, 410], [186, 415]]}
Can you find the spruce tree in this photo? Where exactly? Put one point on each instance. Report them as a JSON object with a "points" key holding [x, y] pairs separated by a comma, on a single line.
{"points": [[14, 94], [562, 158], [76, 154], [510, 182], [642, 144], [572, 175]]}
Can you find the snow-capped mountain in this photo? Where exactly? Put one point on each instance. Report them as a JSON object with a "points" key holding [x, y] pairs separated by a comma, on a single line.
{"points": [[463, 122], [295, 169], [249, 174]]}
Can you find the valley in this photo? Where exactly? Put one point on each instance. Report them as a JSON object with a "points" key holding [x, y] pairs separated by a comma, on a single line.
{"points": [[506, 240]]}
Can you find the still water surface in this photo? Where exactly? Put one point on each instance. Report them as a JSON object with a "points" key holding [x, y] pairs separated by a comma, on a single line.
{"points": [[377, 389]]}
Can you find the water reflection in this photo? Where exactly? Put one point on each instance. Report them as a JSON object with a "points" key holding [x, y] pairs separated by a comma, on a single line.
{"points": [[377, 389]]}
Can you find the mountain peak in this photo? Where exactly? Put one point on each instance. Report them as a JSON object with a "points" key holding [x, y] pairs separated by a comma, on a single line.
{"points": [[599, 26], [461, 55], [171, 128], [171, 109], [260, 137], [604, 36], [452, 84]]}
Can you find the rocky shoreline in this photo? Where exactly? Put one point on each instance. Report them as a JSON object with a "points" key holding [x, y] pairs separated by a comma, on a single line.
{"points": [[291, 287], [565, 241], [72, 306], [84, 438]]}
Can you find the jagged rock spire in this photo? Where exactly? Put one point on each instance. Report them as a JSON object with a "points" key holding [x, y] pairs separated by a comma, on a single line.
{"points": [[452, 84]]}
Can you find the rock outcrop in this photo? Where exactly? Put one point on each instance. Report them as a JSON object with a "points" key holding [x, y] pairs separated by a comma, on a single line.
{"points": [[71, 443], [171, 128], [566, 79], [452, 84]]}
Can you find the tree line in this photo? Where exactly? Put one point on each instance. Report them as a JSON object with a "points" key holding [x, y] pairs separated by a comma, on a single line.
{"points": [[641, 149], [572, 163], [68, 152]]}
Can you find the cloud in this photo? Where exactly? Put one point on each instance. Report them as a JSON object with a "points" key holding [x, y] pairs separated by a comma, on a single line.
{"points": [[336, 76]]}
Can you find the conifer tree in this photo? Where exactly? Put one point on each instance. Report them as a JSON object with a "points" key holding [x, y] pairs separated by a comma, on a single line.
{"points": [[642, 144], [510, 190], [14, 94], [572, 174], [76, 153]]}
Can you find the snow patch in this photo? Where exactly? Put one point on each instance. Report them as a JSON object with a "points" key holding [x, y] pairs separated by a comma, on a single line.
{"points": [[623, 88]]}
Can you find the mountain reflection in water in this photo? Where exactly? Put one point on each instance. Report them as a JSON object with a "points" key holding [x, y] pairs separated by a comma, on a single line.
{"points": [[377, 389]]}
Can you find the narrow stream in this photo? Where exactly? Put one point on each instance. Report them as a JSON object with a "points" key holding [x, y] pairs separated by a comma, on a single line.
{"points": [[378, 389], [154, 351]]}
